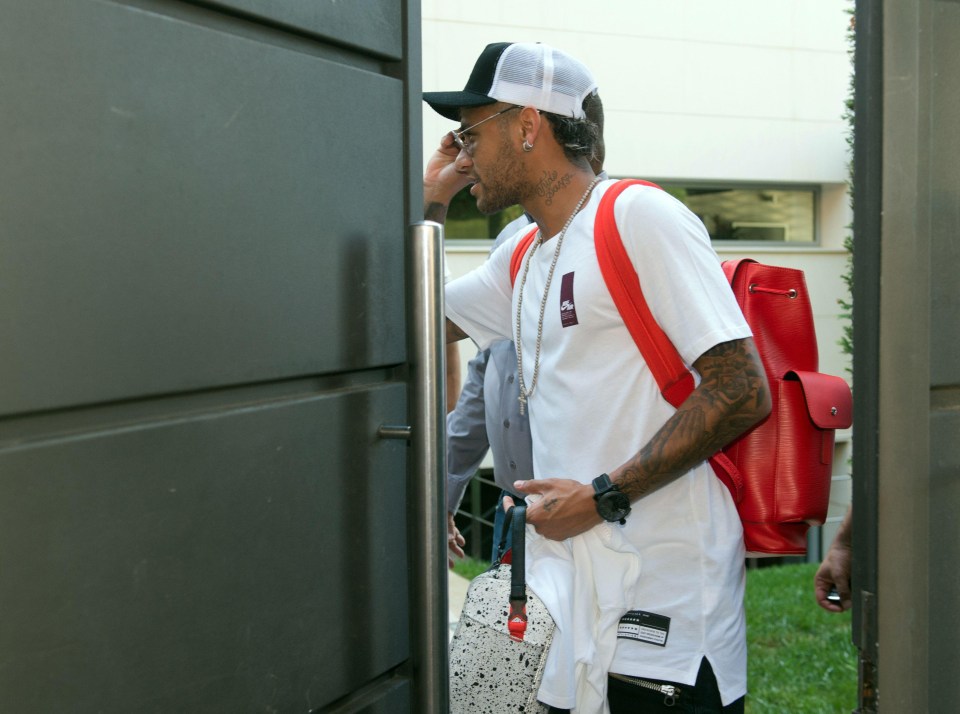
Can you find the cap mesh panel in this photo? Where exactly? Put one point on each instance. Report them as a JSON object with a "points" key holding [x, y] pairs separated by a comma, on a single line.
{"points": [[519, 79]]}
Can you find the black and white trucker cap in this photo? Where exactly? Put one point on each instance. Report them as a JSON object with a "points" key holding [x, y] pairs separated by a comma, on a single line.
{"points": [[531, 75]]}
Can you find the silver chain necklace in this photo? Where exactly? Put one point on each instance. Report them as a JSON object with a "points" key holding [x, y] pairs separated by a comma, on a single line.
{"points": [[525, 393]]}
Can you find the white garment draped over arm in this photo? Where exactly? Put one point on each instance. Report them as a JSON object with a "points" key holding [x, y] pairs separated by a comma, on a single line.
{"points": [[585, 582]]}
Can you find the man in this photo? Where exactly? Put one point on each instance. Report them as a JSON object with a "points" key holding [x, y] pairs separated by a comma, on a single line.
{"points": [[648, 596], [487, 415]]}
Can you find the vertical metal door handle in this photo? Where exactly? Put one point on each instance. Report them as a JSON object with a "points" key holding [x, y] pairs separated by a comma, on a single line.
{"points": [[427, 338]]}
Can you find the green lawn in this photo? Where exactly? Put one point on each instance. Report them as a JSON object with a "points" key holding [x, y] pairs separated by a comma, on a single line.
{"points": [[470, 567], [800, 658]]}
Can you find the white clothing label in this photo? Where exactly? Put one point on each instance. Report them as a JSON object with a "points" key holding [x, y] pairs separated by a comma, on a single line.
{"points": [[644, 627]]}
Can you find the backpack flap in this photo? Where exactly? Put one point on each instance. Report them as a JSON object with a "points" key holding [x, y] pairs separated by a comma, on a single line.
{"points": [[829, 401]]}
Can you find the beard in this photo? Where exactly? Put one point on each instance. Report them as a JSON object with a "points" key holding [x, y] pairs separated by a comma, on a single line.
{"points": [[503, 185]]}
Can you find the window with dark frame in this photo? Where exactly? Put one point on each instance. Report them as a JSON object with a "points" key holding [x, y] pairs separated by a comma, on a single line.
{"points": [[731, 213], [752, 214]]}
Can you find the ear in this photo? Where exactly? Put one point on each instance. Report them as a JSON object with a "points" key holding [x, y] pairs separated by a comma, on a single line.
{"points": [[531, 123]]}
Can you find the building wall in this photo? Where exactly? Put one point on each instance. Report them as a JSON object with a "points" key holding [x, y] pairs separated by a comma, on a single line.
{"points": [[744, 91]]}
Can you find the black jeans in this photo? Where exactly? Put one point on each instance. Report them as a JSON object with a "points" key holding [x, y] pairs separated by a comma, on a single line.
{"points": [[701, 698]]}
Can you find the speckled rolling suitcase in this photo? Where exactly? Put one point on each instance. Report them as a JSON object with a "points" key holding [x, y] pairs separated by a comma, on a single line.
{"points": [[498, 651]]}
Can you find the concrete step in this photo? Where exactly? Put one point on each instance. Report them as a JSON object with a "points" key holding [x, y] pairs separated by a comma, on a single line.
{"points": [[456, 593]]}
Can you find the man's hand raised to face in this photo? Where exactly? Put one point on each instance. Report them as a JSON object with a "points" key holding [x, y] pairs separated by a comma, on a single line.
{"points": [[442, 179]]}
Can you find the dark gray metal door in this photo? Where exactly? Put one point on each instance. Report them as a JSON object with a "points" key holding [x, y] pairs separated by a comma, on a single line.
{"points": [[906, 372], [202, 213]]}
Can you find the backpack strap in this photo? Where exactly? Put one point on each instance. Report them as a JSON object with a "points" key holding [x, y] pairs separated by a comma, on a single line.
{"points": [[674, 379], [516, 260]]}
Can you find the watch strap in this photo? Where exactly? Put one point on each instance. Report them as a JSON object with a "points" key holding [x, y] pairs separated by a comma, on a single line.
{"points": [[602, 484]]}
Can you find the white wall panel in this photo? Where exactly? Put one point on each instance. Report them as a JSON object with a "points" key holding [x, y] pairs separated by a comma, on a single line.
{"points": [[740, 22], [819, 85], [679, 146], [821, 24], [737, 81]]}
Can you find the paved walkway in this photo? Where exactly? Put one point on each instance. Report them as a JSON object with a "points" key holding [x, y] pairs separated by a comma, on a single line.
{"points": [[456, 592]]}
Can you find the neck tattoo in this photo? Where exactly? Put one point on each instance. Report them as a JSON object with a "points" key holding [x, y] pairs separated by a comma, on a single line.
{"points": [[525, 393], [548, 186]]}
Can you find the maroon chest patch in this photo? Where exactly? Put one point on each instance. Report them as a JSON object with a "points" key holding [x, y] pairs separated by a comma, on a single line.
{"points": [[568, 308]]}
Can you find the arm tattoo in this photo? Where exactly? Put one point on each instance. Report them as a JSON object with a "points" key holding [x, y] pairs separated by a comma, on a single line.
{"points": [[740, 393], [435, 211], [732, 397]]}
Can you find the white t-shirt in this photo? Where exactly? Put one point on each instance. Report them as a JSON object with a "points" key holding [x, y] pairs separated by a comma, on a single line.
{"points": [[596, 405]]}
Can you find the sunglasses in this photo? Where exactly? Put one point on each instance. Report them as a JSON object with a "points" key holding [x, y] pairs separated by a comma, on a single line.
{"points": [[465, 142]]}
